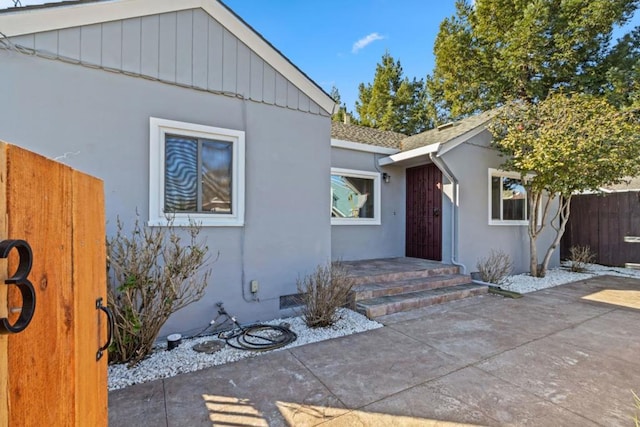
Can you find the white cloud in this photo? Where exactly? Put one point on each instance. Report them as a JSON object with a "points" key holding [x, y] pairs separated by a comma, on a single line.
{"points": [[365, 41]]}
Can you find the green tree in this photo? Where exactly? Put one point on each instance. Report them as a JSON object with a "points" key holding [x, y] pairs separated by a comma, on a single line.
{"points": [[492, 51], [339, 115], [562, 146], [392, 101]]}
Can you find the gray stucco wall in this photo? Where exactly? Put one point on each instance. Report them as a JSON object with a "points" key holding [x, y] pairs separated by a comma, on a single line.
{"points": [[352, 242], [470, 164], [98, 122]]}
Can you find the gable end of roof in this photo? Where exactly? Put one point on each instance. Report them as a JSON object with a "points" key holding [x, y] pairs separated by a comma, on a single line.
{"points": [[51, 17], [451, 134]]}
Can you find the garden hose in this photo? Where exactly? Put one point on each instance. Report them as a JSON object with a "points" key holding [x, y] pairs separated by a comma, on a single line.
{"points": [[259, 337]]}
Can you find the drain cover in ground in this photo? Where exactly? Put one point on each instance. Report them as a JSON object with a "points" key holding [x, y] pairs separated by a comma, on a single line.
{"points": [[209, 347]]}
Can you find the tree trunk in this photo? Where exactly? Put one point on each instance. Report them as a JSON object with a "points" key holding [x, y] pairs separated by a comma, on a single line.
{"points": [[534, 200], [533, 259], [563, 217]]}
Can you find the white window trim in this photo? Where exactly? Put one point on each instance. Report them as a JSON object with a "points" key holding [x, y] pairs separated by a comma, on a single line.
{"points": [[505, 174], [158, 128], [376, 197]]}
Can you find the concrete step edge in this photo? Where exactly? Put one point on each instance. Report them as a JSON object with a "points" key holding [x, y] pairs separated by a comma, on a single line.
{"points": [[414, 300], [375, 290]]}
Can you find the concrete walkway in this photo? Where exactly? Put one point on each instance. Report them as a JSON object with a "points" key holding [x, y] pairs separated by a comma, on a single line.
{"points": [[567, 356]]}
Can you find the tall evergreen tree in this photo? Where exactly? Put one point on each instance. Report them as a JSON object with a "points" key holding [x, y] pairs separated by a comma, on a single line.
{"points": [[338, 116], [392, 101], [491, 51]]}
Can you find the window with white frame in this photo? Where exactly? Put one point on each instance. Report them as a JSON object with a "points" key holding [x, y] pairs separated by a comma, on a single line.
{"points": [[508, 204], [196, 174], [355, 197]]}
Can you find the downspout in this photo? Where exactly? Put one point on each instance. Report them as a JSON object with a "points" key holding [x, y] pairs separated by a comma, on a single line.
{"points": [[454, 211]]}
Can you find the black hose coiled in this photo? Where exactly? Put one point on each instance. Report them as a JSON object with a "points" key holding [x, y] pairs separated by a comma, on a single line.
{"points": [[259, 337]]}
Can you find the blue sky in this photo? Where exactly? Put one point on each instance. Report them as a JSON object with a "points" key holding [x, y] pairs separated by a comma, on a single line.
{"points": [[339, 42]]}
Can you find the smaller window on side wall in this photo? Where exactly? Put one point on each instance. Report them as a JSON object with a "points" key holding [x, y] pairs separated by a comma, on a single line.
{"points": [[355, 197], [508, 202], [196, 173]]}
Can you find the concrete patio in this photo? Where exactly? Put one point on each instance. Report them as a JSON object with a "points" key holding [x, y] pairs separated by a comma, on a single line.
{"points": [[566, 356]]}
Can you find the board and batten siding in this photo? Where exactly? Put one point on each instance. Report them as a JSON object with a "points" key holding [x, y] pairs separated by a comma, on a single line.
{"points": [[187, 48]]}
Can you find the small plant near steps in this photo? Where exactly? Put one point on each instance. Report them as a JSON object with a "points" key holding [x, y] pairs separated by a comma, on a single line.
{"points": [[323, 292]]}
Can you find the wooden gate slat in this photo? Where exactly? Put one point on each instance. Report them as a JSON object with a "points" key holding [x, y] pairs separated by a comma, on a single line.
{"points": [[39, 211], [89, 278]]}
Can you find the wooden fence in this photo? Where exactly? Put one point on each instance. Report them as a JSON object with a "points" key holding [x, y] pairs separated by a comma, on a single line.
{"points": [[609, 224], [50, 372]]}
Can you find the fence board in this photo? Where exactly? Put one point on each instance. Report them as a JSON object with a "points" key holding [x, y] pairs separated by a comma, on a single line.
{"points": [[602, 222]]}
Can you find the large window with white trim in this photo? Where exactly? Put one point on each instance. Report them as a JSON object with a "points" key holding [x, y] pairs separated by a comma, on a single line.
{"points": [[196, 173], [355, 197], [508, 204]]}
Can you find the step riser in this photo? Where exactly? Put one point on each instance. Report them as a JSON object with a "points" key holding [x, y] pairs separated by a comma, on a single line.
{"points": [[415, 274], [411, 304], [413, 287]]}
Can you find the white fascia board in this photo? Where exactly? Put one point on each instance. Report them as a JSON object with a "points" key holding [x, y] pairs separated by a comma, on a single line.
{"points": [[408, 155], [450, 145], [358, 146], [31, 21]]}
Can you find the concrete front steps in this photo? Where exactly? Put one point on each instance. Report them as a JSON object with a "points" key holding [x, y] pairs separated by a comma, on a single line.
{"points": [[391, 285]]}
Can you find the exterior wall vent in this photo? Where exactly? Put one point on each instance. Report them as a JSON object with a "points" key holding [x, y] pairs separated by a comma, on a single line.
{"points": [[290, 301]]}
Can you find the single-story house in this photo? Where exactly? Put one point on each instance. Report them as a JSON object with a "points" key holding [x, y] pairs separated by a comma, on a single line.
{"points": [[183, 107], [444, 197]]}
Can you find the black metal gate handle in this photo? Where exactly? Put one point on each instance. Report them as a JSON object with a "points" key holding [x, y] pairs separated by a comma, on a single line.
{"points": [[20, 280], [110, 327]]}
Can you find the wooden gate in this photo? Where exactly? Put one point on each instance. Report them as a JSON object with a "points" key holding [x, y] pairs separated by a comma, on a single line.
{"points": [[424, 213], [609, 224], [49, 372]]}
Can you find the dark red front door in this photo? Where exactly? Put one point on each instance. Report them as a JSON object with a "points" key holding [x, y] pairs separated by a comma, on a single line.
{"points": [[424, 212]]}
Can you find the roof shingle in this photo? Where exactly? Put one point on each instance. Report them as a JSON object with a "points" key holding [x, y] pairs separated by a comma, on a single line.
{"points": [[446, 133], [366, 135]]}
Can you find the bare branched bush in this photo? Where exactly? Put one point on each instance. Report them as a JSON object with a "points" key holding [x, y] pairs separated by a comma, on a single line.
{"points": [[496, 267], [152, 274], [323, 292], [579, 257]]}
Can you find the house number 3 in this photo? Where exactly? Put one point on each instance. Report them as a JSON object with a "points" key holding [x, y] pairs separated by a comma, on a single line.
{"points": [[20, 280]]}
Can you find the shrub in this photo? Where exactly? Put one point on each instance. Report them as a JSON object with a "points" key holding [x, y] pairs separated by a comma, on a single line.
{"points": [[323, 292], [495, 267], [579, 257], [636, 400], [152, 274]]}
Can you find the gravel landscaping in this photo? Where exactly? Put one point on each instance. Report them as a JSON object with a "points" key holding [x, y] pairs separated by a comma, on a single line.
{"points": [[164, 364], [524, 283]]}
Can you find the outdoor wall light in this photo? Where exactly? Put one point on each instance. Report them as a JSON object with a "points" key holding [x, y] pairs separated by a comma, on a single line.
{"points": [[386, 177]]}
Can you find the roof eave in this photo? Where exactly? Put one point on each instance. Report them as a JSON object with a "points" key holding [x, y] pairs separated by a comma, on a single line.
{"points": [[360, 146], [405, 156]]}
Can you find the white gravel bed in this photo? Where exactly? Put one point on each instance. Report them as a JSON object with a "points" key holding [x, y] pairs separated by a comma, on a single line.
{"points": [[164, 364], [524, 283]]}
